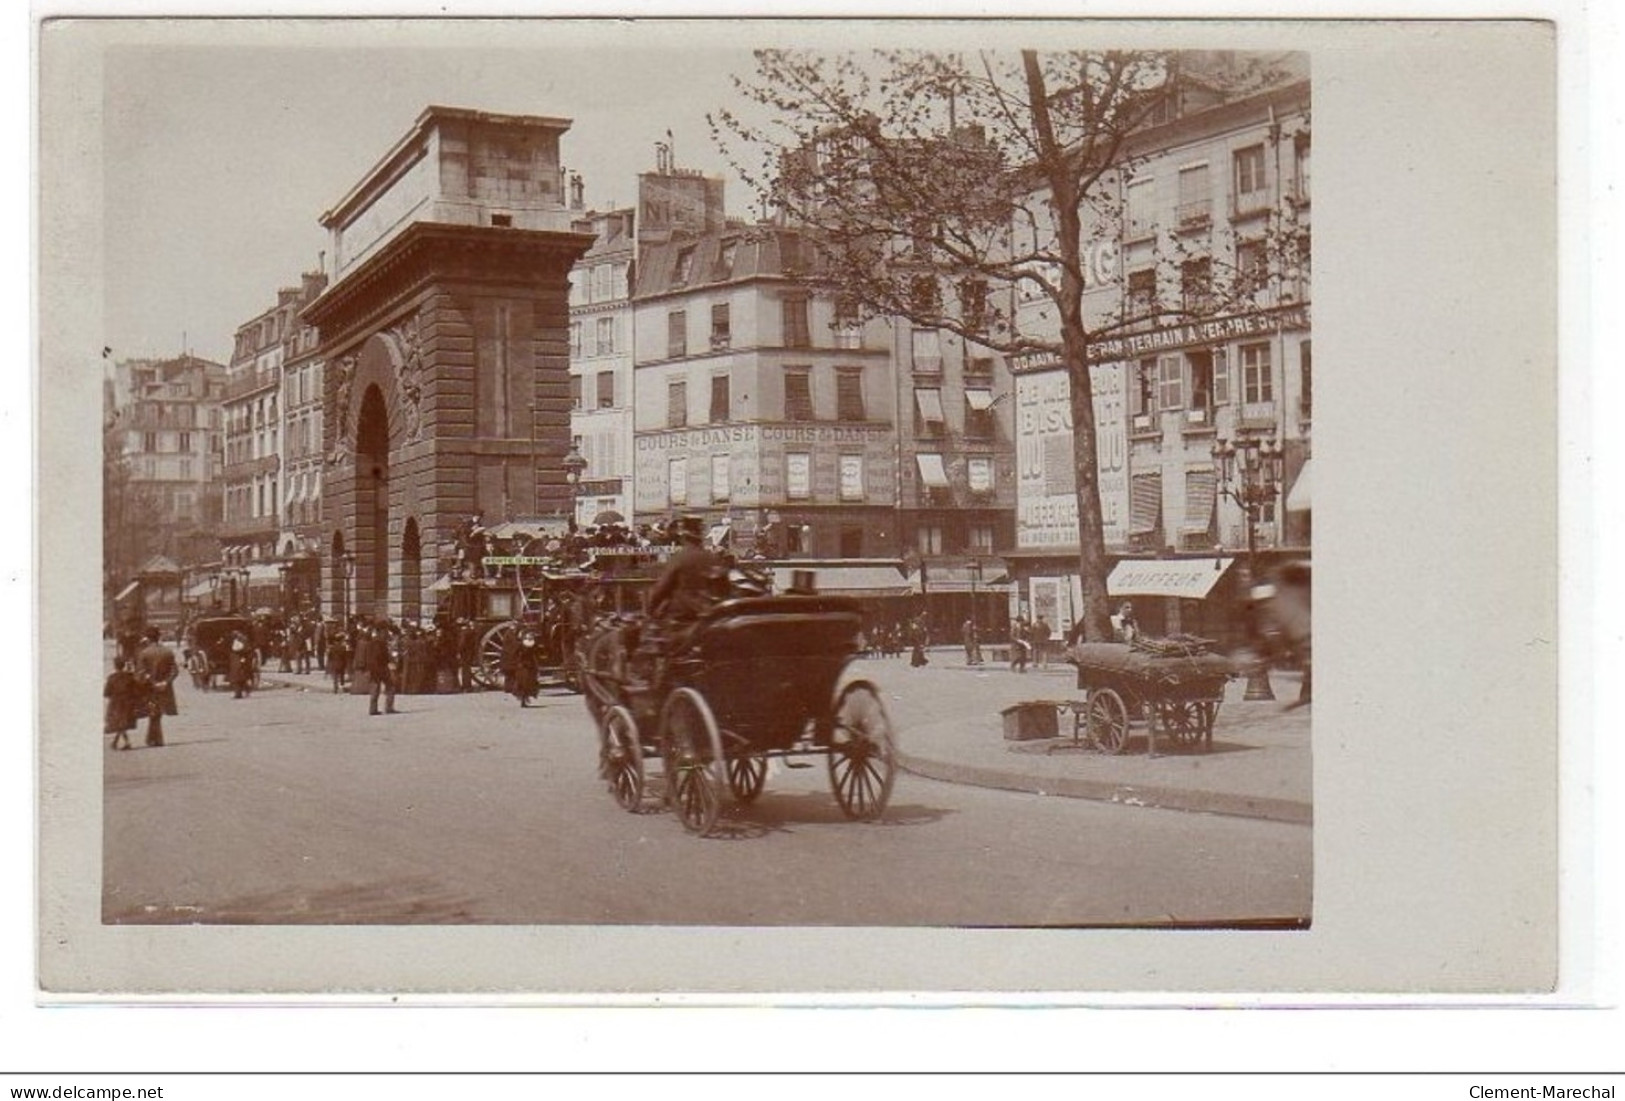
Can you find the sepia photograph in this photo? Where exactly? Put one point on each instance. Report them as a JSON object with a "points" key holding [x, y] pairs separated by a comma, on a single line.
{"points": [[614, 479]]}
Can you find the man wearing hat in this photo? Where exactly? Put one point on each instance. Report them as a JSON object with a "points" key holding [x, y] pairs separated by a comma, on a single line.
{"points": [[156, 666], [694, 577]]}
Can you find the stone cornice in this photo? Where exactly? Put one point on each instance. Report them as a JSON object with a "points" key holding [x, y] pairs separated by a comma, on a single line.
{"points": [[425, 251]]}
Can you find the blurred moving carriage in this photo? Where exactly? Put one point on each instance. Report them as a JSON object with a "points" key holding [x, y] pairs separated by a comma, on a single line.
{"points": [[1174, 686], [207, 649], [754, 678]]}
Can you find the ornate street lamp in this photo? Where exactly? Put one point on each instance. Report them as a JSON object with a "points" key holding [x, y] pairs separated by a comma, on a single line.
{"points": [[575, 465], [1249, 473]]}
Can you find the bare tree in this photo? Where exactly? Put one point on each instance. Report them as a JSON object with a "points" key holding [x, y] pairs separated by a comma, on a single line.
{"points": [[952, 190]]}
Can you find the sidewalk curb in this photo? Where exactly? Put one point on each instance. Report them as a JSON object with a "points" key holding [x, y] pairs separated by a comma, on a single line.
{"points": [[1163, 798]]}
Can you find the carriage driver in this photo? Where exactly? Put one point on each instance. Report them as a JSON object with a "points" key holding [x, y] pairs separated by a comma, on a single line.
{"points": [[694, 578]]}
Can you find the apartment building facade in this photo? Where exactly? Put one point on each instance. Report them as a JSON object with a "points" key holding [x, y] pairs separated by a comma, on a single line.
{"points": [[762, 407], [1204, 285], [601, 357]]}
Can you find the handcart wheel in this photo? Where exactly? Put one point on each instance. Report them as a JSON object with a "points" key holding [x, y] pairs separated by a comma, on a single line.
{"points": [[1182, 720], [747, 776], [1108, 720], [622, 758], [692, 746], [862, 752]]}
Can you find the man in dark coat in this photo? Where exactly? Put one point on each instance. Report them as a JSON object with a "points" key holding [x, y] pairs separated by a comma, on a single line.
{"points": [[240, 665], [693, 579], [156, 666], [382, 664]]}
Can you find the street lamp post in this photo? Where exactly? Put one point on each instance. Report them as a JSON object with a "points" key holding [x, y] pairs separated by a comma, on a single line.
{"points": [[347, 568], [975, 572], [1249, 471], [575, 465]]}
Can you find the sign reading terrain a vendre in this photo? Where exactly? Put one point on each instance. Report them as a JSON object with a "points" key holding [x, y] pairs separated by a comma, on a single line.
{"points": [[1134, 345]]}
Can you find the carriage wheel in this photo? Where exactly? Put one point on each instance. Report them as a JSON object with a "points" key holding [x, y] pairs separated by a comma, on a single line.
{"points": [[862, 752], [621, 758], [1108, 720], [747, 776], [488, 669], [692, 746]]}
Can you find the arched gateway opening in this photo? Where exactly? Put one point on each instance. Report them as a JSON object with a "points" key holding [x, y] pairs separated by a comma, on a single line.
{"points": [[372, 505]]}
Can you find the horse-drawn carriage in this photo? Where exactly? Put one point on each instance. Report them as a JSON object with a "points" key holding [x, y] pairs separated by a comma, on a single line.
{"points": [[754, 678], [207, 648]]}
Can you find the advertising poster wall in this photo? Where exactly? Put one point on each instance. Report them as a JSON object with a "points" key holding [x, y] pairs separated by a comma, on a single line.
{"points": [[1046, 480]]}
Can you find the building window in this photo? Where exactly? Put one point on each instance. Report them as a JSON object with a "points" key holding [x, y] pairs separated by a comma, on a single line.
{"points": [[720, 333], [928, 400], [676, 334], [1172, 382], [606, 389], [1256, 385], [605, 345], [149, 441], [848, 328], [796, 331], [602, 276], [1300, 167], [1304, 380], [185, 444], [720, 488], [1200, 367], [502, 221], [575, 391], [1221, 377], [676, 404], [1196, 285], [725, 259], [981, 538], [1252, 268], [925, 295], [851, 477], [979, 473], [1142, 293], [973, 304], [849, 394], [979, 413], [685, 266], [677, 481], [1195, 196], [1141, 198], [721, 400], [798, 403], [927, 351], [928, 538], [798, 475], [1249, 179]]}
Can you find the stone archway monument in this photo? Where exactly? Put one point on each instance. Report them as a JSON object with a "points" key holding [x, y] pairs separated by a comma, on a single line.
{"points": [[445, 334]]}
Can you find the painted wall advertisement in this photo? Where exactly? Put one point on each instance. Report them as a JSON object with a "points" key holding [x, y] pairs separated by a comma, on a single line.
{"points": [[766, 465], [1046, 480]]}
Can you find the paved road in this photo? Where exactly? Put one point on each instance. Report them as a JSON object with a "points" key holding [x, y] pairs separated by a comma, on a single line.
{"points": [[295, 806]]}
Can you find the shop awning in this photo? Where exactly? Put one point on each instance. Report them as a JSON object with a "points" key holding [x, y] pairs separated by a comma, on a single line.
{"points": [[979, 400], [1145, 503], [1298, 499], [719, 534], [1199, 493], [930, 403], [857, 581], [1190, 578], [124, 593], [932, 472]]}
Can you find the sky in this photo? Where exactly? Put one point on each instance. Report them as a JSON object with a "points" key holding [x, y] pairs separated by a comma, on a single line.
{"points": [[219, 160]]}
